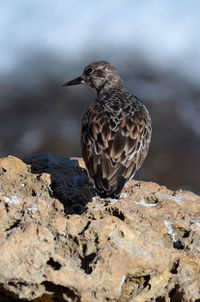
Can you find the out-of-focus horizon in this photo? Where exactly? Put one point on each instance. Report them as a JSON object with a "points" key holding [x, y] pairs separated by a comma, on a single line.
{"points": [[153, 44]]}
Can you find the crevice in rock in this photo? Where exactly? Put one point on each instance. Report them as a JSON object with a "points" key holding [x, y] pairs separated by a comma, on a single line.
{"points": [[54, 264], [14, 225], [116, 212], [174, 269], [19, 284], [6, 207], [58, 291], [186, 234], [147, 278], [7, 296], [178, 245], [151, 199], [176, 294], [75, 239], [86, 261], [133, 286], [34, 193], [84, 248], [160, 299], [85, 228]]}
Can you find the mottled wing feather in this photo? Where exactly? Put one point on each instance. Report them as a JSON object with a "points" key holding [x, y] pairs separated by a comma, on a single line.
{"points": [[113, 151]]}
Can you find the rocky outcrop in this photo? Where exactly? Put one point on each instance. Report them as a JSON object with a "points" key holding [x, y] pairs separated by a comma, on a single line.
{"points": [[60, 242]]}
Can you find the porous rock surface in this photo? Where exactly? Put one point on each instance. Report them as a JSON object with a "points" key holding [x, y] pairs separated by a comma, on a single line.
{"points": [[58, 242]]}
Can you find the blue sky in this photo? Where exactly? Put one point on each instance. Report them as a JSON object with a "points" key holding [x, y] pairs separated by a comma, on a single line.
{"points": [[166, 32]]}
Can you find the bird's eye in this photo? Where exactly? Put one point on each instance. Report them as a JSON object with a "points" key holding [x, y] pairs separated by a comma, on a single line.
{"points": [[89, 70]]}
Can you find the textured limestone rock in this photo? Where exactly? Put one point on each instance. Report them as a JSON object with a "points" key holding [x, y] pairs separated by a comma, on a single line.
{"points": [[60, 242]]}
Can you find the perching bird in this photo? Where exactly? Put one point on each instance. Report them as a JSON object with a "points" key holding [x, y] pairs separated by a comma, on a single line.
{"points": [[116, 130]]}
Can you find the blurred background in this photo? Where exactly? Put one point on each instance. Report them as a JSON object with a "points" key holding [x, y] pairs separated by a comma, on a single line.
{"points": [[154, 45]]}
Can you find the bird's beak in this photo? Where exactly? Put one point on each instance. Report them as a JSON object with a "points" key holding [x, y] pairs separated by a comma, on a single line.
{"points": [[76, 81]]}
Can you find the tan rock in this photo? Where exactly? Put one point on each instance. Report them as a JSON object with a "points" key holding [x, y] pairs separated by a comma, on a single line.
{"points": [[60, 241]]}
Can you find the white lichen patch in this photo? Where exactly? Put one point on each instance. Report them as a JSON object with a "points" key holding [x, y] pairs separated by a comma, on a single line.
{"points": [[97, 198], [33, 208], [97, 207], [122, 281], [114, 200], [178, 198], [196, 222], [97, 203], [124, 195], [93, 198], [12, 199], [147, 205], [170, 230]]}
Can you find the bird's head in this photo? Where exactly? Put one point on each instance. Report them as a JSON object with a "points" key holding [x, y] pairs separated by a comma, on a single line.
{"points": [[99, 75]]}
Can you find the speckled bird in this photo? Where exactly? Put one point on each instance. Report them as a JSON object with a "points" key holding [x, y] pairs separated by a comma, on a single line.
{"points": [[116, 130]]}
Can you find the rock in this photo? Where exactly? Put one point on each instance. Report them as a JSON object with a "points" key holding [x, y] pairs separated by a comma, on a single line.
{"points": [[60, 242]]}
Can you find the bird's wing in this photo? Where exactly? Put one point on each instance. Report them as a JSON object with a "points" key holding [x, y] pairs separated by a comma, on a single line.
{"points": [[113, 149]]}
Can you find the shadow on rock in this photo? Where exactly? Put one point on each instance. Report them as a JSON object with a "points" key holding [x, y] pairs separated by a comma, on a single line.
{"points": [[69, 182]]}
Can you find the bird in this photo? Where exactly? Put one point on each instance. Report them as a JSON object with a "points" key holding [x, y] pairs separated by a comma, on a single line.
{"points": [[116, 130]]}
